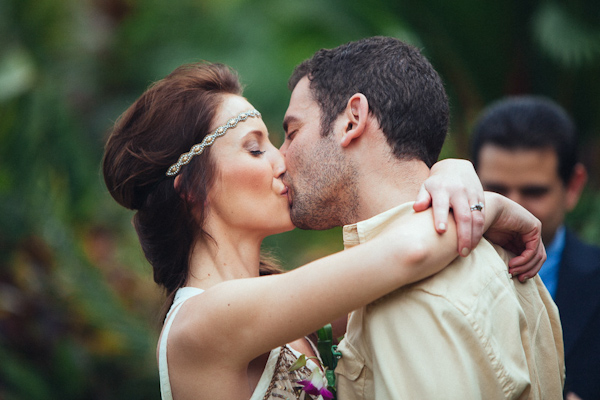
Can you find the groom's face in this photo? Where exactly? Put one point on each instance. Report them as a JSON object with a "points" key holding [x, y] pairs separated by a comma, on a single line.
{"points": [[316, 168]]}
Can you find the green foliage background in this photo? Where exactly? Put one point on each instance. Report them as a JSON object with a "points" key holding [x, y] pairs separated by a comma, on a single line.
{"points": [[78, 308]]}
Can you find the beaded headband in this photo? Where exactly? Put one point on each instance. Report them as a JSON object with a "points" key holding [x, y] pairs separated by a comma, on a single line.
{"points": [[197, 149]]}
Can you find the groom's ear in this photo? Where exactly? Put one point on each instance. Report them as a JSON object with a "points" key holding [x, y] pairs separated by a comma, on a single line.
{"points": [[356, 113]]}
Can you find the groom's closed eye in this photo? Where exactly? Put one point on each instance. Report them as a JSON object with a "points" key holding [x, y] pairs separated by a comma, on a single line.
{"points": [[290, 136]]}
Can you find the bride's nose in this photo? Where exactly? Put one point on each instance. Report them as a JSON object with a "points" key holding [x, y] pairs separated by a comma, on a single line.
{"points": [[279, 165]]}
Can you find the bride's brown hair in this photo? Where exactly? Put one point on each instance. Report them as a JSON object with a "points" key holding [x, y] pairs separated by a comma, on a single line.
{"points": [[174, 114]]}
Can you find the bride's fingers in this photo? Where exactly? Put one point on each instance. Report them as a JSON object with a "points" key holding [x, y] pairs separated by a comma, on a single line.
{"points": [[464, 223], [441, 209], [528, 263], [477, 220], [423, 200]]}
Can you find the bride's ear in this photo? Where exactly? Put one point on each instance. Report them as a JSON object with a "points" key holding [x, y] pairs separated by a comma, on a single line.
{"points": [[177, 183], [188, 197], [178, 189], [356, 113]]}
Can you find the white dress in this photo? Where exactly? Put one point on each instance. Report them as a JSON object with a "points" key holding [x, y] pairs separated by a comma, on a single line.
{"points": [[276, 382]]}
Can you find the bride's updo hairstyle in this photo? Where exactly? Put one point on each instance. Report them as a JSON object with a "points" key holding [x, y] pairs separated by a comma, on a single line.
{"points": [[174, 114]]}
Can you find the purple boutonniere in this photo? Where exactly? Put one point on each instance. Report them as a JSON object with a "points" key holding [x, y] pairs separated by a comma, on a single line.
{"points": [[316, 384]]}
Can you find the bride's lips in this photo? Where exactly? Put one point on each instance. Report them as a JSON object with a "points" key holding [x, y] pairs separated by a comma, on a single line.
{"points": [[286, 192]]}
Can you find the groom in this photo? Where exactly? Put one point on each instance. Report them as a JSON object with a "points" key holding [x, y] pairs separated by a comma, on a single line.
{"points": [[365, 123]]}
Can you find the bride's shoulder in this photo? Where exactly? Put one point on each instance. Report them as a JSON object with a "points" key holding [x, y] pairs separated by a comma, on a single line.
{"points": [[209, 317]]}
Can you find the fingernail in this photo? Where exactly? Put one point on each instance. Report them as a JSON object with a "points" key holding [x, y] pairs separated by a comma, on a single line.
{"points": [[464, 252], [442, 226]]}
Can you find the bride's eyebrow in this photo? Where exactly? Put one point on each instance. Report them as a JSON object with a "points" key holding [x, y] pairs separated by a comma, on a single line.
{"points": [[257, 133]]}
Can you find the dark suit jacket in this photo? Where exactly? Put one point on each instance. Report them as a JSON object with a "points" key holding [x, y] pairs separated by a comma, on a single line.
{"points": [[578, 301]]}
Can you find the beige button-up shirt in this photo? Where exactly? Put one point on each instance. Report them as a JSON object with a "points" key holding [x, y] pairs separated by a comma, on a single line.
{"points": [[468, 332]]}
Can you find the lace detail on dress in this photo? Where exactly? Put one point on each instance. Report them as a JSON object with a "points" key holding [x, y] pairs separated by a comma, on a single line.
{"points": [[283, 384]]}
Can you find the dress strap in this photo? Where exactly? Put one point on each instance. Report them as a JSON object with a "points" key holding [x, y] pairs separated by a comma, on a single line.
{"points": [[163, 369], [267, 376]]}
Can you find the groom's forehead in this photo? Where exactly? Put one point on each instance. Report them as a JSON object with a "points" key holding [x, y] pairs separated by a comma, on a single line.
{"points": [[301, 111]]}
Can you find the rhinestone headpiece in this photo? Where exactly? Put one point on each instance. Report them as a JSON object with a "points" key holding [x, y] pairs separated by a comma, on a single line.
{"points": [[197, 149]]}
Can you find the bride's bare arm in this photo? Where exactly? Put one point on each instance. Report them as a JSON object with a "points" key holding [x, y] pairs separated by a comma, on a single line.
{"points": [[237, 320], [255, 315]]}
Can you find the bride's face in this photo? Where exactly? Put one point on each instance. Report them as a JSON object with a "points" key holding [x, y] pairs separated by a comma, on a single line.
{"points": [[248, 193]]}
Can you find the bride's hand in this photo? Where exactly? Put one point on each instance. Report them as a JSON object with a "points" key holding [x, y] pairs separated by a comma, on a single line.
{"points": [[453, 184], [517, 230]]}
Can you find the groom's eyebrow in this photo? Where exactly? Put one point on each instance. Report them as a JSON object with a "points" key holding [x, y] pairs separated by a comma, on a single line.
{"points": [[287, 121]]}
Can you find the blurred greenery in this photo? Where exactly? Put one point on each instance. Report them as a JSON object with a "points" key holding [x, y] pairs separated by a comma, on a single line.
{"points": [[78, 308]]}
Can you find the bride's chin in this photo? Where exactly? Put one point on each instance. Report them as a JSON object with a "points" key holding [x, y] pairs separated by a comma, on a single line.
{"points": [[289, 226], [282, 226]]}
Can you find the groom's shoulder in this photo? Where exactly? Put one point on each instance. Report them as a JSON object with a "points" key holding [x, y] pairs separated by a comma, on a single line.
{"points": [[485, 265], [465, 284], [481, 288], [474, 293]]}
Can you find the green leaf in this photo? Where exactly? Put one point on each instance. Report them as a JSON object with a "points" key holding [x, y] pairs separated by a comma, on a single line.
{"points": [[564, 38], [300, 362]]}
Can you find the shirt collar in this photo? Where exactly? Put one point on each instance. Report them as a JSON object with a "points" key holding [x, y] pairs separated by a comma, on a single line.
{"points": [[367, 229]]}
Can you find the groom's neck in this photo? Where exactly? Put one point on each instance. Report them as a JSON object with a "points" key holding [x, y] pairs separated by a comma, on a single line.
{"points": [[385, 187]]}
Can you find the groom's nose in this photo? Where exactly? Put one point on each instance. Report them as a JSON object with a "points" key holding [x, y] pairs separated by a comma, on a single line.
{"points": [[283, 148]]}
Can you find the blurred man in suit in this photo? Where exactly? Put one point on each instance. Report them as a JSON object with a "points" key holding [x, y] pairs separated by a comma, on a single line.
{"points": [[526, 149]]}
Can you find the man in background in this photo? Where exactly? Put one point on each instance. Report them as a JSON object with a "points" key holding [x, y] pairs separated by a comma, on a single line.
{"points": [[526, 149]]}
